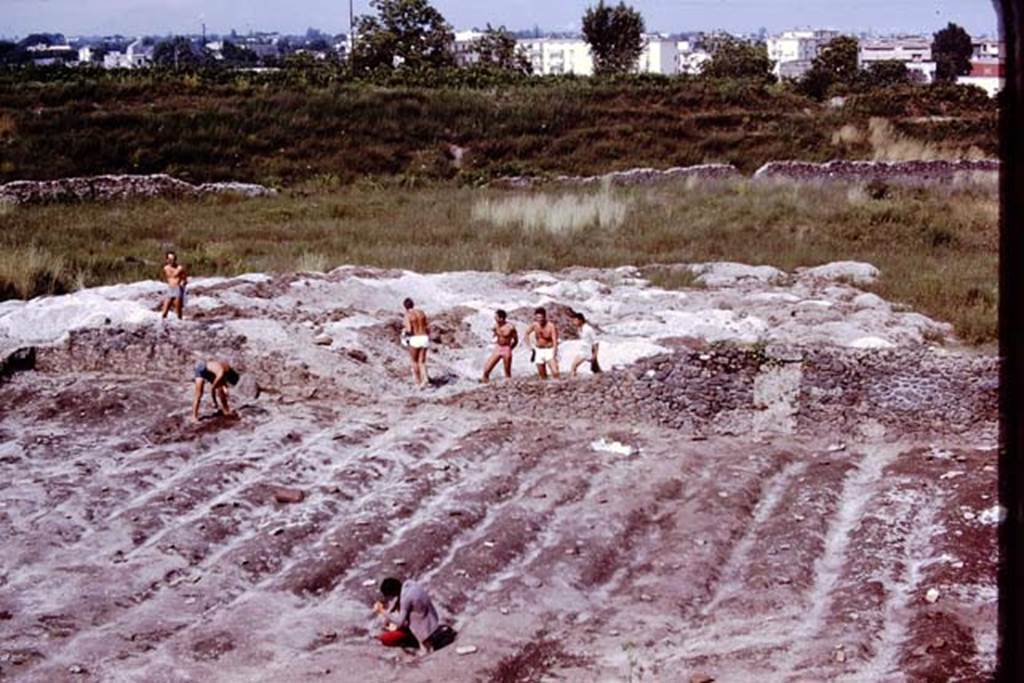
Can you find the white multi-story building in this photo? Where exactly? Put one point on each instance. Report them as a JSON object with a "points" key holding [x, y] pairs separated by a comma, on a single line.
{"points": [[554, 56], [913, 51], [659, 56], [464, 47], [793, 51], [987, 49]]}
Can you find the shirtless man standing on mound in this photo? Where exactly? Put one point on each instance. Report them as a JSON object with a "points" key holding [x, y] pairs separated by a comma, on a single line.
{"points": [[416, 335], [506, 338], [176, 278], [545, 345]]}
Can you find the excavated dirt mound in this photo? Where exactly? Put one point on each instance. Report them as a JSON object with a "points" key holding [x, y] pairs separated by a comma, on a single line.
{"points": [[722, 502]]}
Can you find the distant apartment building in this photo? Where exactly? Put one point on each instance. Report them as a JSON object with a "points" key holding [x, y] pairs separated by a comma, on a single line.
{"points": [[556, 56], [984, 49], [660, 56], [987, 74], [913, 51], [464, 47], [44, 54], [794, 51]]}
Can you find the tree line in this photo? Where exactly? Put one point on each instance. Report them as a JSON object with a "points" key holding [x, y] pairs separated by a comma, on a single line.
{"points": [[411, 38]]}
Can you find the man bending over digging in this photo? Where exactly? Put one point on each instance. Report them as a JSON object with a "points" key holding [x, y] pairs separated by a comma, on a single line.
{"points": [[218, 373]]}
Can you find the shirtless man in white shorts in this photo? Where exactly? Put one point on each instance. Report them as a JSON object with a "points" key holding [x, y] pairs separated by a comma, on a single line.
{"points": [[416, 336], [544, 347]]}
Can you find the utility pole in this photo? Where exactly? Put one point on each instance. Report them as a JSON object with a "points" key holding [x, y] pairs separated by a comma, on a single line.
{"points": [[351, 29]]}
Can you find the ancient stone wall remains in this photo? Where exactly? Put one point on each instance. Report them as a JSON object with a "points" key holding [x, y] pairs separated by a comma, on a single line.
{"points": [[922, 172], [635, 176], [896, 171], [117, 187]]}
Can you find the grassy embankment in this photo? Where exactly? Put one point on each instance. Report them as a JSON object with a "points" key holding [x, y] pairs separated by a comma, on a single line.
{"points": [[937, 248], [283, 130]]}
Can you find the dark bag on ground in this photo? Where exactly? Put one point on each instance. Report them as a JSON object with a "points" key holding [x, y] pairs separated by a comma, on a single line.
{"points": [[442, 636], [594, 367]]}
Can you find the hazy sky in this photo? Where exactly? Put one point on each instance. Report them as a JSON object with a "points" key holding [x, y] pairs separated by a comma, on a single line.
{"points": [[20, 17]]}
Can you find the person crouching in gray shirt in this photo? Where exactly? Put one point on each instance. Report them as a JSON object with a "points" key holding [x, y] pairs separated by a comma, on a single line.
{"points": [[409, 614]]}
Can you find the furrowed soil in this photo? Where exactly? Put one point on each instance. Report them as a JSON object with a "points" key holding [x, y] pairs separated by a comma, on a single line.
{"points": [[778, 477]]}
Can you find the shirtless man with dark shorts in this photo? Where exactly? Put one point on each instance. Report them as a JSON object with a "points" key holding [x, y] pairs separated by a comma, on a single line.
{"points": [[545, 343], [506, 338], [176, 278], [217, 373], [416, 335]]}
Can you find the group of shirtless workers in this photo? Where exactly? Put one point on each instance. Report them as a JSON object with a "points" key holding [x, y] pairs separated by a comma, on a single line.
{"points": [[541, 338]]}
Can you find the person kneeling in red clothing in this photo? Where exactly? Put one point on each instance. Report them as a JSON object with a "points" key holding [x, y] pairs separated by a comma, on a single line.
{"points": [[410, 618]]}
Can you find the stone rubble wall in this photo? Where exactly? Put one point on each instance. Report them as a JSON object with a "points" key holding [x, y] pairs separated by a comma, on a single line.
{"points": [[896, 171], [899, 171], [119, 187], [634, 176], [722, 392]]}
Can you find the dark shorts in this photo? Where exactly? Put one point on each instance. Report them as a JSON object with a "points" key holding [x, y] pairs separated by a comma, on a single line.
{"points": [[203, 373]]}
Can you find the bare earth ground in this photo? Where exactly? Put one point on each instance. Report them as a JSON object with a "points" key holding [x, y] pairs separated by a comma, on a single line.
{"points": [[812, 498]]}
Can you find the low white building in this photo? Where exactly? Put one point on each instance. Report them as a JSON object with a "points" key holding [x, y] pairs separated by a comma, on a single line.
{"points": [[793, 51], [989, 75], [915, 52], [135, 56]]}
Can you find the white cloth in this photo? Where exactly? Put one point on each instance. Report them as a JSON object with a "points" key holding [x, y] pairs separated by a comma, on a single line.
{"points": [[542, 356], [419, 341]]}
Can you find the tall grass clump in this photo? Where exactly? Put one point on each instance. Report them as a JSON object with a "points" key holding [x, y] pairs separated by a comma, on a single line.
{"points": [[556, 215], [312, 262], [888, 144], [30, 271]]}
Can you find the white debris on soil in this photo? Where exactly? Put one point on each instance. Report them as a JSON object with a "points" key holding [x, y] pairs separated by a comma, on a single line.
{"points": [[466, 649], [932, 595], [614, 447], [993, 515]]}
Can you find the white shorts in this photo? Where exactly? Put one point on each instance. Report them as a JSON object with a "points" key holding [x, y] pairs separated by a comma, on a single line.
{"points": [[419, 341], [542, 356]]}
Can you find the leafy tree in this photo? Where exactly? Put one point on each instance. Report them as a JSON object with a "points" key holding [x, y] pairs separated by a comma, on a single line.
{"points": [[887, 73], [734, 58], [615, 35], [179, 52], [835, 67], [410, 33], [236, 55], [498, 49], [951, 50]]}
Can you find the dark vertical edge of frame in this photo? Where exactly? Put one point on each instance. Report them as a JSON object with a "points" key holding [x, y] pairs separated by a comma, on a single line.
{"points": [[1011, 347]]}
